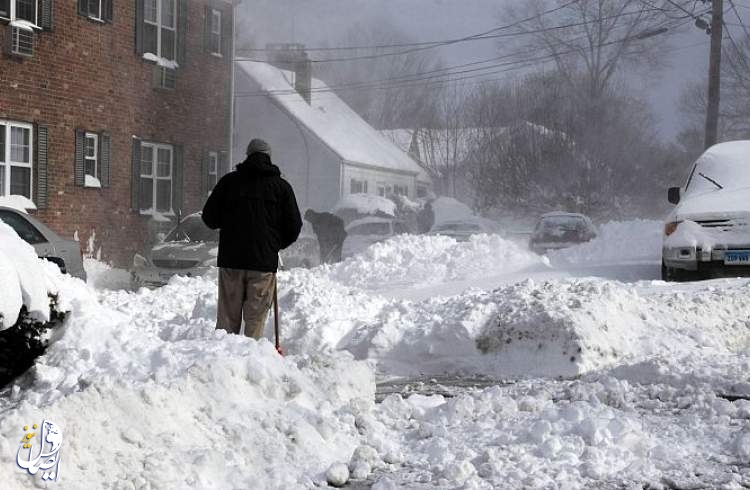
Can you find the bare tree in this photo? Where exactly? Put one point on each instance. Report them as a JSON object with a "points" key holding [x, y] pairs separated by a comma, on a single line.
{"points": [[378, 85]]}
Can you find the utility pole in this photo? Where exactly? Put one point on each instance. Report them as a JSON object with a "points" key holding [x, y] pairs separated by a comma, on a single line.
{"points": [[714, 73]]}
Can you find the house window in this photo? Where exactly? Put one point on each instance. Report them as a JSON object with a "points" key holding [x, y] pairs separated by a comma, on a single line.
{"points": [[381, 189], [91, 155], [156, 178], [15, 158], [213, 169], [358, 186], [400, 190], [215, 34], [160, 28], [100, 10], [421, 191], [19, 10]]}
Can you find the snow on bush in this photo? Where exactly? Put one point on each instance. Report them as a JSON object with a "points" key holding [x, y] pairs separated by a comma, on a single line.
{"points": [[616, 242]]}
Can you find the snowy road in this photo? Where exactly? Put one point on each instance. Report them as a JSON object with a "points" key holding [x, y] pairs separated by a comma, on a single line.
{"points": [[608, 377]]}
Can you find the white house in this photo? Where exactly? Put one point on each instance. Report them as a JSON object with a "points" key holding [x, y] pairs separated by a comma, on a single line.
{"points": [[322, 146]]}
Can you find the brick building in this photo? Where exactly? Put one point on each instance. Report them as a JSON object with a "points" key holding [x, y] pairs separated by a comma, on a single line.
{"points": [[114, 113]]}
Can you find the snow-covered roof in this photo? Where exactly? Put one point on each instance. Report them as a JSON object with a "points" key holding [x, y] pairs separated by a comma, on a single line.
{"points": [[331, 120]]}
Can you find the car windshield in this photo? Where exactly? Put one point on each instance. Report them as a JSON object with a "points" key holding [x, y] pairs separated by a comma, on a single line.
{"points": [[379, 228], [192, 229], [459, 227], [562, 223]]}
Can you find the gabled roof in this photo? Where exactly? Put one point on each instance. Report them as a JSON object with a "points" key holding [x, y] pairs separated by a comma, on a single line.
{"points": [[331, 120]]}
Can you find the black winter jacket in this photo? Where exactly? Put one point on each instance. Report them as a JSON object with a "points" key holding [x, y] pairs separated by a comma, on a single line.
{"points": [[256, 213]]}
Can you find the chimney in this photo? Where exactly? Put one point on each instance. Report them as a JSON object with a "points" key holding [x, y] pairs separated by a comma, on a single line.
{"points": [[293, 57]]}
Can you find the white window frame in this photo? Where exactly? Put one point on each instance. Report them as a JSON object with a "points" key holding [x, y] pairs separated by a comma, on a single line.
{"points": [[213, 168], [88, 9], [159, 26], [154, 148], [12, 13], [7, 163], [216, 19], [95, 158]]}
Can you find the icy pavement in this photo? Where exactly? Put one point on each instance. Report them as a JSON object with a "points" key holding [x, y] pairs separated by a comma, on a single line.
{"points": [[603, 383]]}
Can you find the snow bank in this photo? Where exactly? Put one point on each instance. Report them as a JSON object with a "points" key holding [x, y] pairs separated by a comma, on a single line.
{"points": [[178, 404], [616, 242], [430, 259], [24, 279]]}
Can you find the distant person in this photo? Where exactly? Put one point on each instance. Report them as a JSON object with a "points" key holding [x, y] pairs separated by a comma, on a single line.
{"points": [[331, 234], [257, 215], [426, 218]]}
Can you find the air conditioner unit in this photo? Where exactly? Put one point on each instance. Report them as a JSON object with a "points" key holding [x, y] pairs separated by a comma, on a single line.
{"points": [[21, 41]]}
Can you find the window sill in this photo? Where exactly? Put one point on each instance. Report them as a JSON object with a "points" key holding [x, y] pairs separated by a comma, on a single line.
{"points": [[152, 213], [216, 55], [95, 20]]}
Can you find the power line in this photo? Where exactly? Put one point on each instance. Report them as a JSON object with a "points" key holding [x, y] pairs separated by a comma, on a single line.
{"points": [[416, 80], [478, 37]]}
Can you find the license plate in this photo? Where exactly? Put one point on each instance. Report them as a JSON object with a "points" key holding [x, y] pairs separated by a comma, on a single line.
{"points": [[737, 257]]}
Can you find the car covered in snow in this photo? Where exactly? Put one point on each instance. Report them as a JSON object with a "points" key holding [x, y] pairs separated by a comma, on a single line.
{"points": [[557, 230], [707, 233], [191, 249], [363, 232], [66, 254], [461, 229]]}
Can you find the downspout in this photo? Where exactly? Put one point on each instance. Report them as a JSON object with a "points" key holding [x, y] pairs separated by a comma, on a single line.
{"points": [[235, 4]]}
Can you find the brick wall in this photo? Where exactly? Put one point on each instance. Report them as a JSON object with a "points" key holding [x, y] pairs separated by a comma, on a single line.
{"points": [[86, 74]]}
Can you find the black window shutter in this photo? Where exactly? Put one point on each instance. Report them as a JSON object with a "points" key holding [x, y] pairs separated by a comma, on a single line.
{"points": [[207, 28], [42, 147], [83, 7], [227, 34], [181, 30], [78, 168], [222, 166], [205, 165], [135, 176], [105, 154], [177, 166], [139, 13], [45, 14], [107, 10]]}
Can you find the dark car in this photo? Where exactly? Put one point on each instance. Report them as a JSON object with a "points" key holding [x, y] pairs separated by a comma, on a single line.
{"points": [[559, 230], [48, 244], [191, 249]]}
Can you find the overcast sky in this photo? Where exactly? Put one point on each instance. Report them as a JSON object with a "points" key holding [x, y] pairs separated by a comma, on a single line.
{"points": [[324, 22]]}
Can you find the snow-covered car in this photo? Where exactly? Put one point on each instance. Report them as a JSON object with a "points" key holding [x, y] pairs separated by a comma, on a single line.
{"points": [[461, 230], [66, 254], [559, 230], [191, 249], [364, 232], [707, 233]]}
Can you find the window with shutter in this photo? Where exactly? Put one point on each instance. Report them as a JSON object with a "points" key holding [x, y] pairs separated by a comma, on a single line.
{"points": [[20, 10]]}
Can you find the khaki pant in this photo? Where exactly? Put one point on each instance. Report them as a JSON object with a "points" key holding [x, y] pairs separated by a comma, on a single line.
{"points": [[244, 293]]}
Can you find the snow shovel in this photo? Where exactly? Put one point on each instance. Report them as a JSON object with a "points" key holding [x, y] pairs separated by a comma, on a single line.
{"points": [[276, 317]]}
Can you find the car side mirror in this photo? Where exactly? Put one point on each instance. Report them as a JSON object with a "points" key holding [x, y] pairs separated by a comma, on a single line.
{"points": [[673, 195]]}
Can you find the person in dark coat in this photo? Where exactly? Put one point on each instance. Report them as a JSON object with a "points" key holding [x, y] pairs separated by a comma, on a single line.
{"points": [[426, 218], [256, 213], [331, 234]]}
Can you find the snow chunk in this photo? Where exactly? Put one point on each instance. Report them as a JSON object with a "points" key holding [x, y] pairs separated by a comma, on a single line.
{"points": [[337, 475], [163, 62], [17, 202]]}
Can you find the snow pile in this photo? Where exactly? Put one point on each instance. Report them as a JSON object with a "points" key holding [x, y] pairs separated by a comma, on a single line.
{"points": [[100, 275], [616, 242], [430, 259], [366, 204], [24, 279], [179, 404]]}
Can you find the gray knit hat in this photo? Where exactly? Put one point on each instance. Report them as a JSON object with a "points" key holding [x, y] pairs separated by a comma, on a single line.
{"points": [[258, 145]]}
